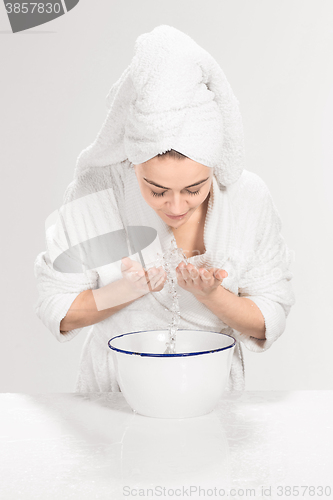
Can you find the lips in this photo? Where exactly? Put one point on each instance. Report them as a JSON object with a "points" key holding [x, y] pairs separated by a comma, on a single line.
{"points": [[180, 215], [177, 216]]}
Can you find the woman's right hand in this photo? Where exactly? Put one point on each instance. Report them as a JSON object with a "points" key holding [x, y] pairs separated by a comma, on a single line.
{"points": [[141, 281]]}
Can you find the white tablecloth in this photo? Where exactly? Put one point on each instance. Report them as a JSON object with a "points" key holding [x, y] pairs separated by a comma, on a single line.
{"points": [[85, 447]]}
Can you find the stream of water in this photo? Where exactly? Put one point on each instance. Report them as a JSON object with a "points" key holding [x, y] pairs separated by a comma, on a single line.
{"points": [[169, 261]]}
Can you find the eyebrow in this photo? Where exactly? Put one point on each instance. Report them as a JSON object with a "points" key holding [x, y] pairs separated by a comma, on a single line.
{"points": [[162, 187]]}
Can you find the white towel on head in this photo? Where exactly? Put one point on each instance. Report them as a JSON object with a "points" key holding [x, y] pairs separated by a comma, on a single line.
{"points": [[173, 95]]}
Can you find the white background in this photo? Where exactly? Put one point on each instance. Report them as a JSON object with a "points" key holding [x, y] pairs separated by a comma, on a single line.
{"points": [[54, 79]]}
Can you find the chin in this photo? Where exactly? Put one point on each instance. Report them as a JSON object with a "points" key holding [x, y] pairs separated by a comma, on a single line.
{"points": [[175, 223]]}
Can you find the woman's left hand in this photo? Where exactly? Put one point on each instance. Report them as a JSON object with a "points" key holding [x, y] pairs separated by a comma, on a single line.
{"points": [[201, 282]]}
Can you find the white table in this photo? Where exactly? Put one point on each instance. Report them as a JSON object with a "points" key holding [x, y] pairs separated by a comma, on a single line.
{"points": [[92, 446]]}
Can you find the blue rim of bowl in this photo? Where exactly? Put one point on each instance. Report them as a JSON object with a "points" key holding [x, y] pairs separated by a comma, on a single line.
{"points": [[176, 355]]}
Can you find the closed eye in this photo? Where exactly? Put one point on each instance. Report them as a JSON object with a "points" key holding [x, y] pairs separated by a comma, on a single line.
{"points": [[162, 194]]}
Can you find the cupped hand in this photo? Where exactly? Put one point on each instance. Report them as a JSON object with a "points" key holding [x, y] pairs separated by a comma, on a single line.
{"points": [[201, 282], [140, 280]]}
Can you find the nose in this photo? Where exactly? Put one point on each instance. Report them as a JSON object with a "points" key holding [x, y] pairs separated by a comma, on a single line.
{"points": [[177, 206]]}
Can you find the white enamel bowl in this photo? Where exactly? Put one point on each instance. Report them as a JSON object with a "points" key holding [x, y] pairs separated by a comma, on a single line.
{"points": [[182, 385]]}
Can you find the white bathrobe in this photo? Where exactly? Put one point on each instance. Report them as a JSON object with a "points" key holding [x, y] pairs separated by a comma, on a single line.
{"points": [[241, 235]]}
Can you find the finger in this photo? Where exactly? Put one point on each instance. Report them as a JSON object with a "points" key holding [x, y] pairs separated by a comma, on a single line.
{"points": [[207, 279], [193, 271], [151, 273], [189, 272], [137, 265], [126, 263], [220, 274], [160, 277], [194, 274], [147, 277], [159, 269], [133, 275], [180, 278], [158, 281], [154, 275], [206, 276]]}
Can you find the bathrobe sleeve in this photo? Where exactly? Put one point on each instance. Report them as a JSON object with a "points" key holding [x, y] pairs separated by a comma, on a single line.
{"points": [[56, 293], [57, 290], [266, 277]]}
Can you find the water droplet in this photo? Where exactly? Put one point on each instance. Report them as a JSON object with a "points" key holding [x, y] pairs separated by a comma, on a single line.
{"points": [[171, 259]]}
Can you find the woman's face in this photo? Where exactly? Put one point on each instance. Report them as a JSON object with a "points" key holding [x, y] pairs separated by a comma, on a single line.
{"points": [[174, 187]]}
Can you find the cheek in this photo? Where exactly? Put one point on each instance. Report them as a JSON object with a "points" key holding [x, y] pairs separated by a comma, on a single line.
{"points": [[156, 204], [151, 200], [198, 199]]}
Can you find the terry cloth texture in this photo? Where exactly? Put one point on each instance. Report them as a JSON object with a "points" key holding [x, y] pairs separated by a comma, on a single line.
{"points": [[242, 235], [173, 95]]}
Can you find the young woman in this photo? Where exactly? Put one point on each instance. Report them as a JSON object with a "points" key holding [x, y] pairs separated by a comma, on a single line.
{"points": [[179, 172]]}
